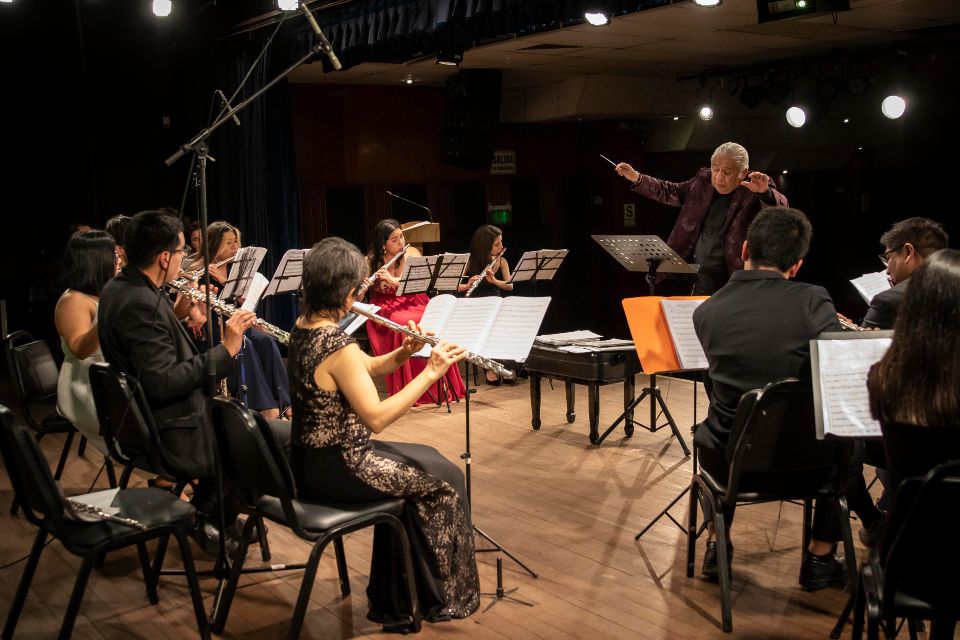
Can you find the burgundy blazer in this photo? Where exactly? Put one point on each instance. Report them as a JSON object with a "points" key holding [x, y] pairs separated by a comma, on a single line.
{"points": [[694, 197]]}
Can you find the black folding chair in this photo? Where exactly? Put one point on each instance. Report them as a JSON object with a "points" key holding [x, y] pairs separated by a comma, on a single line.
{"points": [[160, 513], [773, 441], [913, 573], [35, 374], [254, 460]]}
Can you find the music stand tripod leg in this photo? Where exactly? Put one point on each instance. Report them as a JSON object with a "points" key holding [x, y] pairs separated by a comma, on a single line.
{"points": [[500, 593], [466, 457], [623, 416], [670, 421]]}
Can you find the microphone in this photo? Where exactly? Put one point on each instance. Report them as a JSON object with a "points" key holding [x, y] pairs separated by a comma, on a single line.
{"points": [[324, 43], [416, 204], [226, 103]]}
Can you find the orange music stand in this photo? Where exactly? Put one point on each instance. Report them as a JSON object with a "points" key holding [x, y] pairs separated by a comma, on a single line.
{"points": [[655, 348]]}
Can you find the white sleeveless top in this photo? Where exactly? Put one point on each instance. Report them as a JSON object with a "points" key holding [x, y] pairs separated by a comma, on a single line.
{"points": [[74, 396]]}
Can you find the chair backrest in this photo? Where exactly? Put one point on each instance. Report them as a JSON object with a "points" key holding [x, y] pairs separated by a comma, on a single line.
{"points": [[774, 431], [919, 551], [30, 474], [126, 422], [33, 370], [251, 456]]}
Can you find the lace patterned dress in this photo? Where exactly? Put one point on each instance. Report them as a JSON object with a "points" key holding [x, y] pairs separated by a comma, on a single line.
{"points": [[334, 459]]}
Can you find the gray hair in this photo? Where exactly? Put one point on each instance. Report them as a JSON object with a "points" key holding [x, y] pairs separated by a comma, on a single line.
{"points": [[734, 151], [332, 268]]}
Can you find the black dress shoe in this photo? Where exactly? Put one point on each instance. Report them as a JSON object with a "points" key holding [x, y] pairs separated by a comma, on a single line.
{"points": [[207, 536], [711, 569], [818, 572], [493, 383]]}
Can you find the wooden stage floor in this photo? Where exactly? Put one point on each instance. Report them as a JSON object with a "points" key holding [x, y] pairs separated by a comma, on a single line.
{"points": [[566, 508]]}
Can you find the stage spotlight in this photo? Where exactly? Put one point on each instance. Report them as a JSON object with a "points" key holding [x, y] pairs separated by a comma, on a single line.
{"points": [[708, 3], [706, 112], [288, 5], [162, 8], [597, 19], [796, 117], [893, 107]]}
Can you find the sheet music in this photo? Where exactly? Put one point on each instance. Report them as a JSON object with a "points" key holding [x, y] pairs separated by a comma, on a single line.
{"points": [[492, 327], [289, 273], [255, 291], [568, 337], [241, 272], [870, 284], [418, 273], [840, 384], [548, 261], [679, 315], [515, 327]]}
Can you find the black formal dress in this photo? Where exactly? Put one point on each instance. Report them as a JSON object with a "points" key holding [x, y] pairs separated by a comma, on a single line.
{"points": [[334, 459]]}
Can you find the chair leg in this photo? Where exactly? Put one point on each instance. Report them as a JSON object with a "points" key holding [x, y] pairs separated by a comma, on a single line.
{"points": [[202, 626], [850, 554], [409, 577], [82, 447], [17, 607], [73, 607], [158, 559], [859, 611], [723, 566], [226, 596], [262, 536], [342, 567], [692, 527], [148, 580], [111, 473], [63, 455], [912, 628], [807, 526], [309, 575], [125, 476]]}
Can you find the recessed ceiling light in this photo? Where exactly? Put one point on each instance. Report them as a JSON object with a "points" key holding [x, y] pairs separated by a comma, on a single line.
{"points": [[708, 3], [408, 80], [597, 19], [675, 118]]}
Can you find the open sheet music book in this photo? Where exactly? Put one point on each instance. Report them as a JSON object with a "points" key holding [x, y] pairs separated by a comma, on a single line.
{"points": [[255, 292], [840, 362], [501, 328], [679, 316], [870, 284]]}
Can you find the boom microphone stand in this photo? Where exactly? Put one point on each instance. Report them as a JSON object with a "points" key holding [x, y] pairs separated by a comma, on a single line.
{"points": [[198, 147]]}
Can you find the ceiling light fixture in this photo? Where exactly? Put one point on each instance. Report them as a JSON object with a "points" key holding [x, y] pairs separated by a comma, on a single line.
{"points": [[288, 5], [893, 107], [706, 112], [162, 8], [707, 3], [796, 117]]}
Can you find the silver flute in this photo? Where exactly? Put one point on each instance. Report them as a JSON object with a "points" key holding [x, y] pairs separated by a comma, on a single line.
{"points": [[368, 281], [480, 361], [848, 325], [476, 283], [227, 310], [196, 273], [100, 514]]}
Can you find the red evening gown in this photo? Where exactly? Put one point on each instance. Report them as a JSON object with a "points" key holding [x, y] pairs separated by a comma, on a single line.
{"points": [[401, 309]]}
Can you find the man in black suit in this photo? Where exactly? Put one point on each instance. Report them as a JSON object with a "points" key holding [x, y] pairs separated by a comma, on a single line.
{"points": [[755, 330], [905, 246], [143, 334]]}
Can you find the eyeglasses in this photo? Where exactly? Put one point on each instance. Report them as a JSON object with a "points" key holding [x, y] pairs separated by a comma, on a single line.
{"points": [[885, 256], [183, 251]]}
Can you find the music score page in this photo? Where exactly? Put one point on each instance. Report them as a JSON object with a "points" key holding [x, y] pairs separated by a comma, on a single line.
{"points": [[502, 328], [840, 369], [679, 316]]}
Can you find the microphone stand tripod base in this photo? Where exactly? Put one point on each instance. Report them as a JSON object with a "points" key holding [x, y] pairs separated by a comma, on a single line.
{"points": [[500, 594]]}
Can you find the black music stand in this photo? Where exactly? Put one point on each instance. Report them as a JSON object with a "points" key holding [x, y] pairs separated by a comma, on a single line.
{"points": [[646, 253], [538, 265], [422, 274], [241, 272], [289, 273]]}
